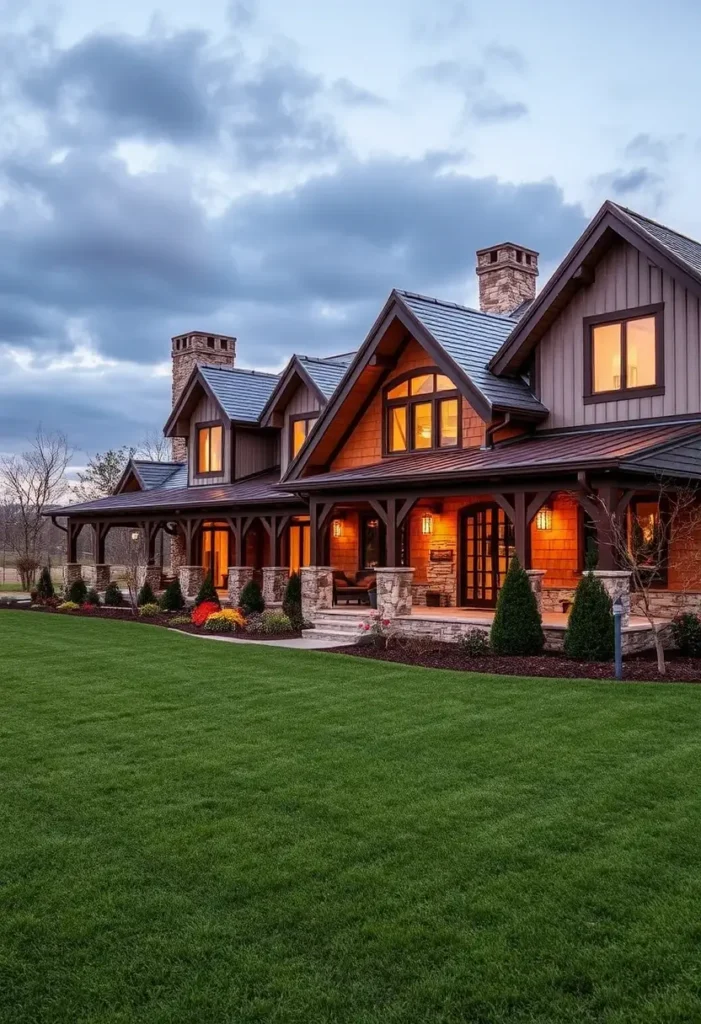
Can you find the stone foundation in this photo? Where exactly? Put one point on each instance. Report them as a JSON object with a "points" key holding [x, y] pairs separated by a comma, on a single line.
{"points": [[317, 589], [150, 574], [239, 576], [535, 578], [191, 579], [616, 583], [177, 550], [552, 598], [90, 575], [275, 579], [393, 592], [102, 576], [72, 571], [665, 604]]}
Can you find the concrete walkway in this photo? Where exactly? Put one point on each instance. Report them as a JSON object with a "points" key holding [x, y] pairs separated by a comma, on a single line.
{"points": [[300, 644]]}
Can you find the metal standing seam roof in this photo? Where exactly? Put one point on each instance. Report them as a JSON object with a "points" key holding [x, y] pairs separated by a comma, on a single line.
{"points": [[327, 374], [242, 394], [684, 248], [471, 338], [568, 450], [160, 474], [253, 490]]}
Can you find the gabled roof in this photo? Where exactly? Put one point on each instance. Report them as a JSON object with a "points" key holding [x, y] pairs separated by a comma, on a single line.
{"points": [[149, 474], [649, 448], [326, 374], [676, 254], [242, 394], [471, 338], [321, 376]]}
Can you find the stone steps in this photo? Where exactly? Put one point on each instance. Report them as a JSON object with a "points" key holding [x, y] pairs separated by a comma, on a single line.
{"points": [[337, 624], [338, 636]]}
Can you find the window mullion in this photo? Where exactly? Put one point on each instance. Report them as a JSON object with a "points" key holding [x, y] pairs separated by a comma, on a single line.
{"points": [[624, 355]]}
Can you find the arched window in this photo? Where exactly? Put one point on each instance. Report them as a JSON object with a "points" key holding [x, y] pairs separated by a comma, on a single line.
{"points": [[421, 412]]}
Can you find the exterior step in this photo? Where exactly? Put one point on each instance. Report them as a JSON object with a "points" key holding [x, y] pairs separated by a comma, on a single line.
{"points": [[338, 636]]}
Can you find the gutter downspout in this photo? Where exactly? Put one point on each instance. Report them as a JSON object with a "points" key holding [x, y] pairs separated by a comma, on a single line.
{"points": [[492, 429]]}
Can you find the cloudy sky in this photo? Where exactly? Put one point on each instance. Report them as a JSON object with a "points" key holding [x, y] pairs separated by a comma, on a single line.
{"points": [[271, 170]]}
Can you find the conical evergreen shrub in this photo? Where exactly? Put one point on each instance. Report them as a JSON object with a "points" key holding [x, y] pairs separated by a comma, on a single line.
{"points": [[114, 598], [77, 592], [45, 586], [172, 599], [517, 628], [146, 595], [92, 597], [251, 599], [292, 601], [589, 634], [207, 592]]}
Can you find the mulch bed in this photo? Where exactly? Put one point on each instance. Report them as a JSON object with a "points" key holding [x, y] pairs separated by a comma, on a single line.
{"points": [[642, 668], [164, 619]]}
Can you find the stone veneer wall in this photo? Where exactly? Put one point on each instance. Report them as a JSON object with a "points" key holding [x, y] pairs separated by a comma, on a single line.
{"points": [[184, 360], [275, 579], [505, 283], [668, 603], [317, 589]]}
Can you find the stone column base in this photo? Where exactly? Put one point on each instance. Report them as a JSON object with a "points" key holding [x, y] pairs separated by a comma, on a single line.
{"points": [[72, 571], [150, 574], [394, 592], [239, 576], [535, 578], [275, 579], [90, 574], [191, 579], [102, 576], [317, 589], [617, 585]]}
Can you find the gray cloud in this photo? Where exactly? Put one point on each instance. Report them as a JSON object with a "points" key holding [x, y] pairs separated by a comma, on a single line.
{"points": [[353, 95], [494, 109], [508, 57], [625, 182], [652, 148], [481, 102]]}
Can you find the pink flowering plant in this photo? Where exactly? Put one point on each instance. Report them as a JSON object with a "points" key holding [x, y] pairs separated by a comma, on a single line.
{"points": [[376, 631]]}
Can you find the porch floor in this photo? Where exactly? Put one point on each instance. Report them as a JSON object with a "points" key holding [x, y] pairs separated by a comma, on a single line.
{"points": [[477, 616]]}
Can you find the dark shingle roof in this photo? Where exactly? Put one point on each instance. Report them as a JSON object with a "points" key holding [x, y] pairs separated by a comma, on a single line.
{"points": [[241, 393], [568, 450], [253, 490], [684, 248], [327, 374], [160, 474], [471, 338]]}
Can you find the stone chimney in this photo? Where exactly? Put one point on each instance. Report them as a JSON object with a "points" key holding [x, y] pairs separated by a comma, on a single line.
{"points": [[197, 349], [507, 274]]}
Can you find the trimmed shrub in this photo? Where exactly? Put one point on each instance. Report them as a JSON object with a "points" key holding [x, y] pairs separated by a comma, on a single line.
{"points": [[147, 611], [172, 599], [686, 633], [68, 606], [234, 616], [254, 622], [474, 643], [218, 623], [146, 595], [202, 612], [292, 601], [516, 629], [589, 634], [273, 622], [77, 592], [114, 598], [181, 620], [207, 592], [92, 597], [251, 599], [45, 586]]}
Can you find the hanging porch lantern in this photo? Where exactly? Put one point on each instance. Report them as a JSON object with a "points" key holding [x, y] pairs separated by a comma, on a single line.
{"points": [[544, 517]]}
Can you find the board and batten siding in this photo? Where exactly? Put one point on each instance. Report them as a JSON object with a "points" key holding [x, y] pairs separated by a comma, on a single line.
{"points": [[207, 409], [303, 400], [255, 451], [624, 279]]}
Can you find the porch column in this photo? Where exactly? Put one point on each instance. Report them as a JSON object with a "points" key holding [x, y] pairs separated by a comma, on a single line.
{"points": [[394, 591], [317, 589], [72, 571], [191, 579], [102, 576], [239, 576], [535, 578], [150, 574], [275, 579], [616, 583]]}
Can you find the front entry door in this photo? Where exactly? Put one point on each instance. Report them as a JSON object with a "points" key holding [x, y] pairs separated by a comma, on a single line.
{"points": [[215, 552], [488, 544]]}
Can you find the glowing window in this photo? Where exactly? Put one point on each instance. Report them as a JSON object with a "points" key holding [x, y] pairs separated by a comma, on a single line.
{"points": [[210, 444], [625, 355]]}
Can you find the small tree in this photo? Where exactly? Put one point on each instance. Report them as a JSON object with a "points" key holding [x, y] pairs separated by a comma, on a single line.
{"points": [[292, 601], [207, 592], [77, 592], [251, 599], [172, 599], [589, 634], [45, 587], [92, 597], [113, 595], [517, 628], [146, 595]]}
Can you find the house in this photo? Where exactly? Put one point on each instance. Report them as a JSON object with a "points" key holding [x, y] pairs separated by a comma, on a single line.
{"points": [[449, 440]]}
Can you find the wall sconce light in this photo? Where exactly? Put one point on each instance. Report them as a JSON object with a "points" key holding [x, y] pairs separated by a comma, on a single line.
{"points": [[337, 528], [135, 535], [544, 518], [427, 523]]}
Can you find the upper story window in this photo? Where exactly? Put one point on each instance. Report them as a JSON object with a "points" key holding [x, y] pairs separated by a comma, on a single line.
{"points": [[623, 354], [299, 431], [210, 448], [421, 412]]}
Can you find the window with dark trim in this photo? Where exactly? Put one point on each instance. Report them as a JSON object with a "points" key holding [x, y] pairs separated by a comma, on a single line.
{"points": [[299, 431], [421, 412], [648, 538], [624, 354], [210, 448]]}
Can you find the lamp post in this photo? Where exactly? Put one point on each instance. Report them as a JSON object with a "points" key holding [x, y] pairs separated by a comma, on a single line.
{"points": [[618, 637]]}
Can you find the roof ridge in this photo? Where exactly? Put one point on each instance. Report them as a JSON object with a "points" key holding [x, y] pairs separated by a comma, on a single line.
{"points": [[326, 360], [157, 462], [238, 369], [454, 305], [657, 223]]}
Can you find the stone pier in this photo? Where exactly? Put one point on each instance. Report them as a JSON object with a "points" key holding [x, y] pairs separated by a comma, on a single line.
{"points": [[275, 578], [239, 576], [617, 585], [72, 571], [317, 589], [394, 592], [150, 574], [191, 579], [535, 578]]}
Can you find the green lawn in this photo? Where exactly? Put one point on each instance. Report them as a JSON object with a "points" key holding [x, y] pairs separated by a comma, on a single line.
{"points": [[11, 588], [197, 832]]}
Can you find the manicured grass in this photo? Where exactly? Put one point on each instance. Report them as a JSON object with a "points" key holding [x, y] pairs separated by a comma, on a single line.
{"points": [[10, 587], [195, 832]]}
